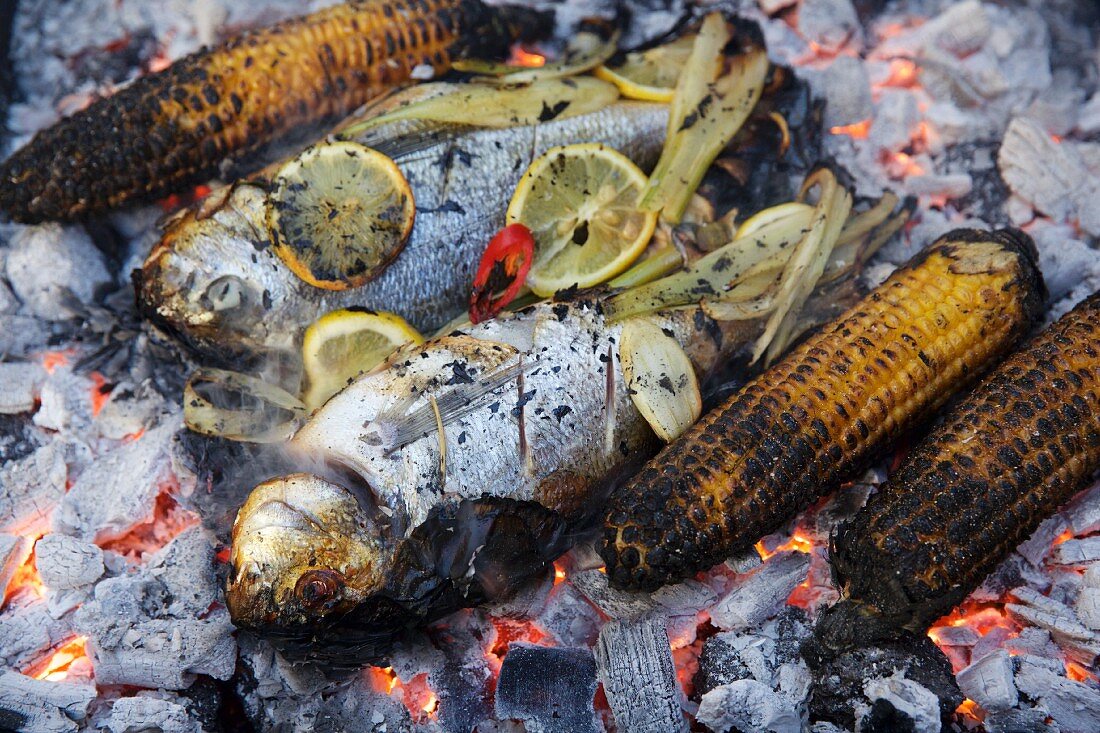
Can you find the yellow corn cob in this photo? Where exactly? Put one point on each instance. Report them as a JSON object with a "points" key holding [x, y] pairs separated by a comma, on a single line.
{"points": [[171, 129], [822, 413], [1007, 457]]}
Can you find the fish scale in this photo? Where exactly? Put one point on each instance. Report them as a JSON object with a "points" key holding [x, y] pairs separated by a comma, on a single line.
{"points": [[172, 129], [823, 412], [1004, 459]]}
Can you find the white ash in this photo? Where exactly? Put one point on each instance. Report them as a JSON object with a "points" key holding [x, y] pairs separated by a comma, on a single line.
{"points": [[66, 404], [28, 632], [612, 601], [120, 488], [146, 711], [1083, 512], [28, 705], [747, 705], [989, 682], [908, 697], [569, 618], [64, 562], [156, 627], [30, 489], [1036, 548], [1074, 706], [1047, 613], [762, 593], [635, 666], [19, 382], [48, 262], [14, 550], [1077, 552], [129, 410], [831, 24]]}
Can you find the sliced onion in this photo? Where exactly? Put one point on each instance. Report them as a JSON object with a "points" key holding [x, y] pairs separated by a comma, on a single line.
{"points": [[239, 407], [492, 106], [661, 378], [584, 51]]}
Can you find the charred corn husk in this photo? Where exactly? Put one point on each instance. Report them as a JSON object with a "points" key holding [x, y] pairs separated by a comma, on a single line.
{"points": [[172, 129], [1008, 456], [819, 415]]}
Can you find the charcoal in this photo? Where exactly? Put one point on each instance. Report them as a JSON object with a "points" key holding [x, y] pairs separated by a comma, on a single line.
{"points": [[612, 601], [550, 689], [47, 263], [747, 705], [744, 562], [1031, 641], [146, 711], [529, 601], [39, 706], [839, 682], [129, 411], [19, 383], [14, 551], [898, 703], [28, 632], [989, 682], [956, 636], [462, 682], [1088, 608], [569, 618], [64, 562], [846, 90], [1074, 706], [1046, 613], [30, 488], [65, 405], [762, 593], [634, 661], [18, 438], [831, 24], [185, 568], [1083, 513], [1020, 720], [732, 656], [1077, 552], [119, 489]]}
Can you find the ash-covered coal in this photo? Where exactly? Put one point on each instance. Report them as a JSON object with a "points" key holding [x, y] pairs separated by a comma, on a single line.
{"points": [[549, 689]]}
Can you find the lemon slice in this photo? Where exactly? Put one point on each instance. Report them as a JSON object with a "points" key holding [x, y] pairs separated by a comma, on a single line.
{"points": [[343, 344], [339, 213], [650, 75], [581, 204]]}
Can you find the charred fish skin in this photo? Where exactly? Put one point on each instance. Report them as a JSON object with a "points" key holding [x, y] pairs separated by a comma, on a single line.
{"points": [[1008, 456], [214, 281], [482, 449], [824, 411], [172, 129]]}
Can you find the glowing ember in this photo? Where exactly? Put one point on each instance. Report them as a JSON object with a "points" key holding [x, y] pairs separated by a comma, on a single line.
{"points": [[419, 698], [859, 130], [509, 630], [99, 393], [520, 57], [25, 579], [169, 520], [52, 360], [383, 679], [799, 542], [56, 667], [559, 574], [969, 709], [903, 73], [1079, 672]]}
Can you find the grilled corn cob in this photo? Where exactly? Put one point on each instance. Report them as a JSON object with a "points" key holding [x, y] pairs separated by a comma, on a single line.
{"points": [[821, 414], [1007, 457], [172, 129]]}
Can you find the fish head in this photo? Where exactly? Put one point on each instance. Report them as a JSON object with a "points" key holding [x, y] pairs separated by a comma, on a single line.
{"points": [[212, 280], [304, 553]]}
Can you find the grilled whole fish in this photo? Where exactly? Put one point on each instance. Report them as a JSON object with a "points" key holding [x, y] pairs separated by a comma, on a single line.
{"points": [[172, 129], [447, 478], [215, 282]]}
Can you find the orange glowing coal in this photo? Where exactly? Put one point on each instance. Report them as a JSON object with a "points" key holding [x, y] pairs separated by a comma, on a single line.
{"points": [[799, 542], [1079, 672], [970, 710], [383, 679], [56, 667], [99, 393], [420, 698], [520, 57], [903, 73], [52, 360], [858, 130], [559, 574]]}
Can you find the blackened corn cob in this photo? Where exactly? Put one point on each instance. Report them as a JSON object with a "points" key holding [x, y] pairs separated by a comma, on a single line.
{"points": [[171, 129], [822, 413], [1007, 457]]}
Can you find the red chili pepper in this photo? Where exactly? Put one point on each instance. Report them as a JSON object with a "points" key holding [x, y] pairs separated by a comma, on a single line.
{"points": [[503, 269]]}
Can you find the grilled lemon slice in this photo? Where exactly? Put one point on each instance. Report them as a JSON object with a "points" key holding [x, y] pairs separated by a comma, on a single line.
{"points": [[650, 75], [581, 204], [339, 213], [343, 344]]}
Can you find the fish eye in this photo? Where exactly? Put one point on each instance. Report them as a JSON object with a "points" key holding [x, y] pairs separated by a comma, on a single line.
{"points": [[226, 293], [318, 589]]}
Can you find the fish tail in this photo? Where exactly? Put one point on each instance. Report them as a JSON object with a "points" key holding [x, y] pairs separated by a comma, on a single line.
{"points": [[172, 129]]}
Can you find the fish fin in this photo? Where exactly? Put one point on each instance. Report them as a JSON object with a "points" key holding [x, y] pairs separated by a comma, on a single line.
{"points": [[406, 147], [413, 425]]}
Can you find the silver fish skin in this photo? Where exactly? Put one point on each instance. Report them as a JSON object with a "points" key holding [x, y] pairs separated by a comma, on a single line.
{"points": [[536, 416], [214, 281]]}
